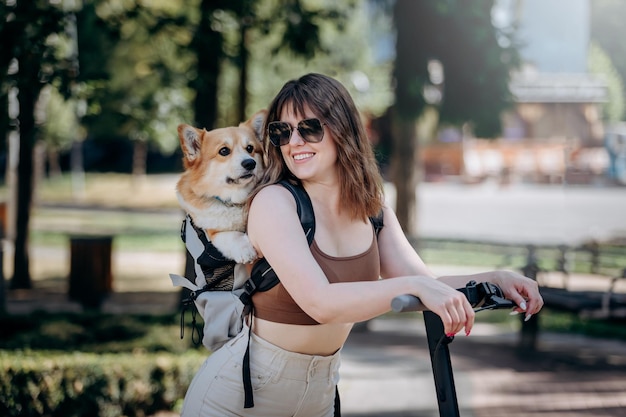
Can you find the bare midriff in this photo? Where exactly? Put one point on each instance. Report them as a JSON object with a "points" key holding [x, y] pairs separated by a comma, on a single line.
{"points": [[317, 339]]}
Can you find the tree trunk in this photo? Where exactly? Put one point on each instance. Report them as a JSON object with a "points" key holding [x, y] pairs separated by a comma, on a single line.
{"points": [[140, 157], [39, 167], [403, 171], [207, 44], [410, 74], [78, 171], [27, 97], [13, 139], [243, 71], [54, 166]]}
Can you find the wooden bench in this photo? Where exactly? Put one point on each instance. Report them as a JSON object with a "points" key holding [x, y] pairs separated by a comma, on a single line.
{"points": [[597, 294]]}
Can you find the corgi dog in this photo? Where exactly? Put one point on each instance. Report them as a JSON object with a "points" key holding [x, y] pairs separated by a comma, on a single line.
{"points": [[221, 167]]}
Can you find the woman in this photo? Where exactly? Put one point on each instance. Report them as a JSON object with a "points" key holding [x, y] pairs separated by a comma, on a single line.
{"points": [[315, 138]]}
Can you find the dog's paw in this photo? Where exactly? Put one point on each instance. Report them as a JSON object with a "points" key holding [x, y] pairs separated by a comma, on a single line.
{"points": [[235, 246], [245, 255]]}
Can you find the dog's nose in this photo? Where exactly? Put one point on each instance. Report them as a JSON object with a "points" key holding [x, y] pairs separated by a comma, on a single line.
{"points": [[248, 164]]}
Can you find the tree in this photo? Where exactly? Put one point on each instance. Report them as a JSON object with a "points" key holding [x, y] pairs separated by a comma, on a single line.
{"points": [[234, 30], [608, 32], [450, 48], [600, 63], [143, 75], [27, 31]]}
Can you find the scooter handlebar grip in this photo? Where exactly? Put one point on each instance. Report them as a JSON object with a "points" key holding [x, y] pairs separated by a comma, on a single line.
{"points": [[407, 302]]}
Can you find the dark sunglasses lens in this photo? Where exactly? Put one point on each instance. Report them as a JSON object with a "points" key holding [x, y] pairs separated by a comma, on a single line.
{"points": [[279, 133], [311, 130]]}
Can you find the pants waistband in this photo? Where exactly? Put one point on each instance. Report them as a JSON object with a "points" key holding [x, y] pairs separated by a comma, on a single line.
{"points": [[292, 365]]}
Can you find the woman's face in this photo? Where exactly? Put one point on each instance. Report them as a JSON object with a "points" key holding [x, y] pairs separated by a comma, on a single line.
{"points": [[308, 161]]}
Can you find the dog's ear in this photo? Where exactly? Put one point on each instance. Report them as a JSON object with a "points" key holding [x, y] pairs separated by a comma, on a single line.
{"points": [[190, 138], [256, 122]]}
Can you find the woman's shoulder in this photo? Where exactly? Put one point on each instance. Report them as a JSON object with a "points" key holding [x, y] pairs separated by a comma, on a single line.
{"points": [[273, 197]]}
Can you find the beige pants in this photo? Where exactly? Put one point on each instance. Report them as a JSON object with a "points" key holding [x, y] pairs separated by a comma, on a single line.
{"points": [[284, 383]]}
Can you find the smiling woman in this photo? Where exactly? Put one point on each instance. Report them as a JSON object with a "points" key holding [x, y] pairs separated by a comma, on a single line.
{"points": [[285, 361]]}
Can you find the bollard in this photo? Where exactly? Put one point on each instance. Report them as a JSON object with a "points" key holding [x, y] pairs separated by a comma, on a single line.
{"points": [[91, 278], [530, 328]]}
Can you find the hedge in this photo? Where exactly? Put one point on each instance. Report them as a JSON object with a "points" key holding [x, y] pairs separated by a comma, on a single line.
{"points": [[93, 385]]}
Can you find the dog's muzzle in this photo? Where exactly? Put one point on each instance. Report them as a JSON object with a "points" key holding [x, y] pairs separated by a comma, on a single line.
{"points": [[248, 165]]}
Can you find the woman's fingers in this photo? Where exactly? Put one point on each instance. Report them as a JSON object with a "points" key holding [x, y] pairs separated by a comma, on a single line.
{"points": [[524, 292], [457, 314]]}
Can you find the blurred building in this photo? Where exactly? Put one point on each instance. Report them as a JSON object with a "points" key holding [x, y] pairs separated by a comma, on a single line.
{"points": [[555, 132]]}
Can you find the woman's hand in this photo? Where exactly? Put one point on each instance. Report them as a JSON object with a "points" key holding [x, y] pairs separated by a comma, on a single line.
{"points": [[521, 290], [448, 303]]}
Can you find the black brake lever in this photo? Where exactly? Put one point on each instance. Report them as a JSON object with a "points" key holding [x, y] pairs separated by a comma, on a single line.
{"points": [[485, 296]]}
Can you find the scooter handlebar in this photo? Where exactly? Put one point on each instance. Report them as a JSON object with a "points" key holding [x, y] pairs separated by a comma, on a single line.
{"points": [[407, 302], [484, 296]]}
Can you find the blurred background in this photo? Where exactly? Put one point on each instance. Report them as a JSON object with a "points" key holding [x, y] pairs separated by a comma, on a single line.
{"points": [[499, 126]]}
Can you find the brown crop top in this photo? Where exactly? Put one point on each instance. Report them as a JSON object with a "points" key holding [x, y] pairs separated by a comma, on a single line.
{"points": [[276, 305]]}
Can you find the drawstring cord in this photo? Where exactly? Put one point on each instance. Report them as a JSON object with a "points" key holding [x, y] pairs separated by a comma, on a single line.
{"points": [[196, 331]]}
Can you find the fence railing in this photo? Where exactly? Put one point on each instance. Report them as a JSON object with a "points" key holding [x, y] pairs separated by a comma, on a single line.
{"points": [[590, 258]]}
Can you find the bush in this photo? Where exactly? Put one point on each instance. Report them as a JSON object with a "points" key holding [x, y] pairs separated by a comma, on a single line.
{"points": [[92, 385], [93, 365]]}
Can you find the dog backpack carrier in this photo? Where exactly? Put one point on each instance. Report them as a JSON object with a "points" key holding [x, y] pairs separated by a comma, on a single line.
{"points": [[221, 289]]}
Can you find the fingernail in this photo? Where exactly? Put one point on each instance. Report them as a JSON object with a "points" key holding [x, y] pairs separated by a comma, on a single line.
{"points": [[467, 332], [522, 306], [514, 313], [528, 316], [450, 334]]}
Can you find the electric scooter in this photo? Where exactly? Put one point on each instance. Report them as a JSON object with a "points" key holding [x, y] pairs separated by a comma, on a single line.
{"points": [[483, 296]]}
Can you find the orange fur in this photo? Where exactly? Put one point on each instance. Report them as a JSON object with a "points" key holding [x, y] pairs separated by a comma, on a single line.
{"points": [[221, 167]]}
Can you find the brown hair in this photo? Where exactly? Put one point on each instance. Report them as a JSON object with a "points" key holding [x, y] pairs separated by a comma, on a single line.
{"points": [[328, 99]]}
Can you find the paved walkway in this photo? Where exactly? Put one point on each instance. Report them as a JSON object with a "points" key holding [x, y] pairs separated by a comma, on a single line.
{"points": [[386, 372]]}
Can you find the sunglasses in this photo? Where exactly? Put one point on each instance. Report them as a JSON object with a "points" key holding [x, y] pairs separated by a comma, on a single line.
{"points": [[311, 131]]}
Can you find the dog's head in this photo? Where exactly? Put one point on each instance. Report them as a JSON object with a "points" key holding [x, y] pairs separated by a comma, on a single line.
{"points": [[222, 164]]}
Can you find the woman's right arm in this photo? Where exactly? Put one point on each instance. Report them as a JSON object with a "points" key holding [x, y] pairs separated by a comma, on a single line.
{"points": [[275, 232]]}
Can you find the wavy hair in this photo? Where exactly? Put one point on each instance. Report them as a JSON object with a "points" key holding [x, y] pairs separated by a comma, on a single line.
{"points": [[360, 180]]}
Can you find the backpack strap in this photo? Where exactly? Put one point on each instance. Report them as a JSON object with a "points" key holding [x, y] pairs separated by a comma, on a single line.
{"points": [[304, 207], [262, 276], [377, 222]]}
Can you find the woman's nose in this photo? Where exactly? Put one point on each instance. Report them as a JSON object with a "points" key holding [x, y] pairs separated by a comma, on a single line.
{"points": [[296, 139]]}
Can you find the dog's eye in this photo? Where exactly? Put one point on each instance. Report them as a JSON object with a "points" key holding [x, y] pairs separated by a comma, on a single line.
{"points": [[224, 151], [250, 149]]}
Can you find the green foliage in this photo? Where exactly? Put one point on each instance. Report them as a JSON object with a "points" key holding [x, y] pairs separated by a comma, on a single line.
{"points": [[600, 63], [87, 384], [93, 364], [144, 94], [608, 31], [345, 49], [569, 323], [144, 62], [61, 125]]}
